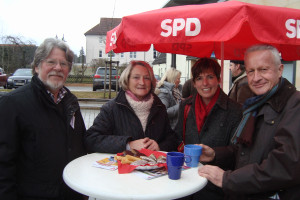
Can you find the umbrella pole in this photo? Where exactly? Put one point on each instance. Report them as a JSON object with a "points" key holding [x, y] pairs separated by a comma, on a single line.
{"points": [[222, 64]]}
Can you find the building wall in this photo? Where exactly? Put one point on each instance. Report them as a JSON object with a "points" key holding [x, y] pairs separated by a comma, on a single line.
{"points": [[279, 3], [92, 48], [96, 43], [159, 69]]}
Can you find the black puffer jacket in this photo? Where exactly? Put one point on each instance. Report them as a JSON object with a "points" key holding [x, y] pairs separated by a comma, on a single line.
{"points": [[117, 124], [37, 142]]}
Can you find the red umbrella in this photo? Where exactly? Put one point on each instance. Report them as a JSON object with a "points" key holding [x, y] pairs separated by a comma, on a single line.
{"points": [[226, 29]]}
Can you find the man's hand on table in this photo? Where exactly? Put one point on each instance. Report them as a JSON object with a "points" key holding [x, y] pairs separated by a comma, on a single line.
{"points": [[213, 173]]}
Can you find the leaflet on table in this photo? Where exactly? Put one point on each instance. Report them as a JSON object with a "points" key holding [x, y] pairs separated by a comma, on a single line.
{"points": [[153, 173], [106, 163], [150, 174]]}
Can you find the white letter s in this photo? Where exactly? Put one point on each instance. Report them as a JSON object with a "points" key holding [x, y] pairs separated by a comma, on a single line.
{"points": [[164, 25]]}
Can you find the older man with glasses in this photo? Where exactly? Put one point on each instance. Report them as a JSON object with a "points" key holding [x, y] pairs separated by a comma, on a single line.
{"points": [[41, 130]]}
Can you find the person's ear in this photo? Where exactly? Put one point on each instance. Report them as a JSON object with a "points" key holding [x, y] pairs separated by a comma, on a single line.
{"points": [[36, 69], [280, 69]]}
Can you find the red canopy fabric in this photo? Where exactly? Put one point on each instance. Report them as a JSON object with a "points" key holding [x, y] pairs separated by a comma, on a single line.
{"points": [[198, 30]]}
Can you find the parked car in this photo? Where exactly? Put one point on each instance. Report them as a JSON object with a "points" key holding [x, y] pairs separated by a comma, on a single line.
{"points": [[19, 78], [3, 78], [99, 78]]}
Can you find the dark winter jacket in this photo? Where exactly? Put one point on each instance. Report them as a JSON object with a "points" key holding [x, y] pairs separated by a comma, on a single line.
{"points": [[37, 142], [272, 163], [240, 90], [188, 88], [219, 127], [117, 124]]}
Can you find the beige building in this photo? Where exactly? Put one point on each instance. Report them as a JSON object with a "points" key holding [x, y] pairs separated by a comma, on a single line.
{"points": [[96, 42]]}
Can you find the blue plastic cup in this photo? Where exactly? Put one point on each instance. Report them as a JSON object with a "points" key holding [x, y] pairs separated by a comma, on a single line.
{"points": [[175, 162], [194, 151]]}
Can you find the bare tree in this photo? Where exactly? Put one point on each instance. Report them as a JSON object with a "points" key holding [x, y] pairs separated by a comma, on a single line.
{"points": [[83, 67], [15, 53], [95, 63]]}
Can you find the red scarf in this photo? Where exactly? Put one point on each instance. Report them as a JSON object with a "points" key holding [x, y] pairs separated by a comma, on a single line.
{"points": [[202, 110]]}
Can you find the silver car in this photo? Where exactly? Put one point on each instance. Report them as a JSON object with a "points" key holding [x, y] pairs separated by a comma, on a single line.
{"points": [[21, 77], [99, 78]]}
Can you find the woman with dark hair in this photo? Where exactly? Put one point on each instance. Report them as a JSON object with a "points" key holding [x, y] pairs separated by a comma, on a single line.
{"points": [[209, 117], [135, 119]]}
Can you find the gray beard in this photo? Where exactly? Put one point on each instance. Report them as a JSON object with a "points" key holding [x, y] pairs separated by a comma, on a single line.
{"points": [[52, 86]]}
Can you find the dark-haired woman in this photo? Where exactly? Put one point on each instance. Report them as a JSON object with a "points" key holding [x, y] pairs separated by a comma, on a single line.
{"points": [[210, 117]]}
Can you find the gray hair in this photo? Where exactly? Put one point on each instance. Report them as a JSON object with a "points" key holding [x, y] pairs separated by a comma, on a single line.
{"points": [[124, 78], [261, 47], [43, 51]]}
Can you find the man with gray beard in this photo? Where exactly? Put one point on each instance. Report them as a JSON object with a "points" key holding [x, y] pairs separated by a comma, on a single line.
{"points": [[41, 130]]}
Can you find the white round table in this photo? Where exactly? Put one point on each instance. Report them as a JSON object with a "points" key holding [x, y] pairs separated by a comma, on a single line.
{"points": [[82, 177]]}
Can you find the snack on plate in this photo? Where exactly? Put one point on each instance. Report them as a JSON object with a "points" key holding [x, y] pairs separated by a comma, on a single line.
{"points": [[133, 152], [134, 157], [128, 159], [152, 160]]}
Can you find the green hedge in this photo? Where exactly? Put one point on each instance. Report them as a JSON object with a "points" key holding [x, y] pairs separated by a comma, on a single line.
{"points": [[80, 79]]}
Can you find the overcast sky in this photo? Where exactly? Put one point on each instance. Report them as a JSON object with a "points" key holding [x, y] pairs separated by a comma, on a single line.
{"points": [[36, 20]]}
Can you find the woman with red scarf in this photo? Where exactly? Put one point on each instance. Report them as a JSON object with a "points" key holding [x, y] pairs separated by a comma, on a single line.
{"points": [[209, 117]]}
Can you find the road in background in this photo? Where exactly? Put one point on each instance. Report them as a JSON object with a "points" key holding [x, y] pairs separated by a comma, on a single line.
{"points": [[80, 88]]}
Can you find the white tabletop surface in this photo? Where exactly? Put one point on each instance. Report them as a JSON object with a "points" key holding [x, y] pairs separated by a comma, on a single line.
{"points": [[82, 177]]}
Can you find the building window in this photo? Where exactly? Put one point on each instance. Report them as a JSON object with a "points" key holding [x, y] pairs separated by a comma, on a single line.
{"points": [[154, 53], [132, 54], [102, 40], [122, 55], [100, 54]]}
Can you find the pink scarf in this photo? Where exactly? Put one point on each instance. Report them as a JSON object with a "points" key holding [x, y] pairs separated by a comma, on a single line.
{"points": [[128, 92]]}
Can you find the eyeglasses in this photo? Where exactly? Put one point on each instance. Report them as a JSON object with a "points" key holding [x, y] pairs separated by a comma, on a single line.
{"points": [[53, 63]]}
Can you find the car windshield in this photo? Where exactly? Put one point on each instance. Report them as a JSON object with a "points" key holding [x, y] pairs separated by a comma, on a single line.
{"points": [[23, 72], [102, 71]]}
